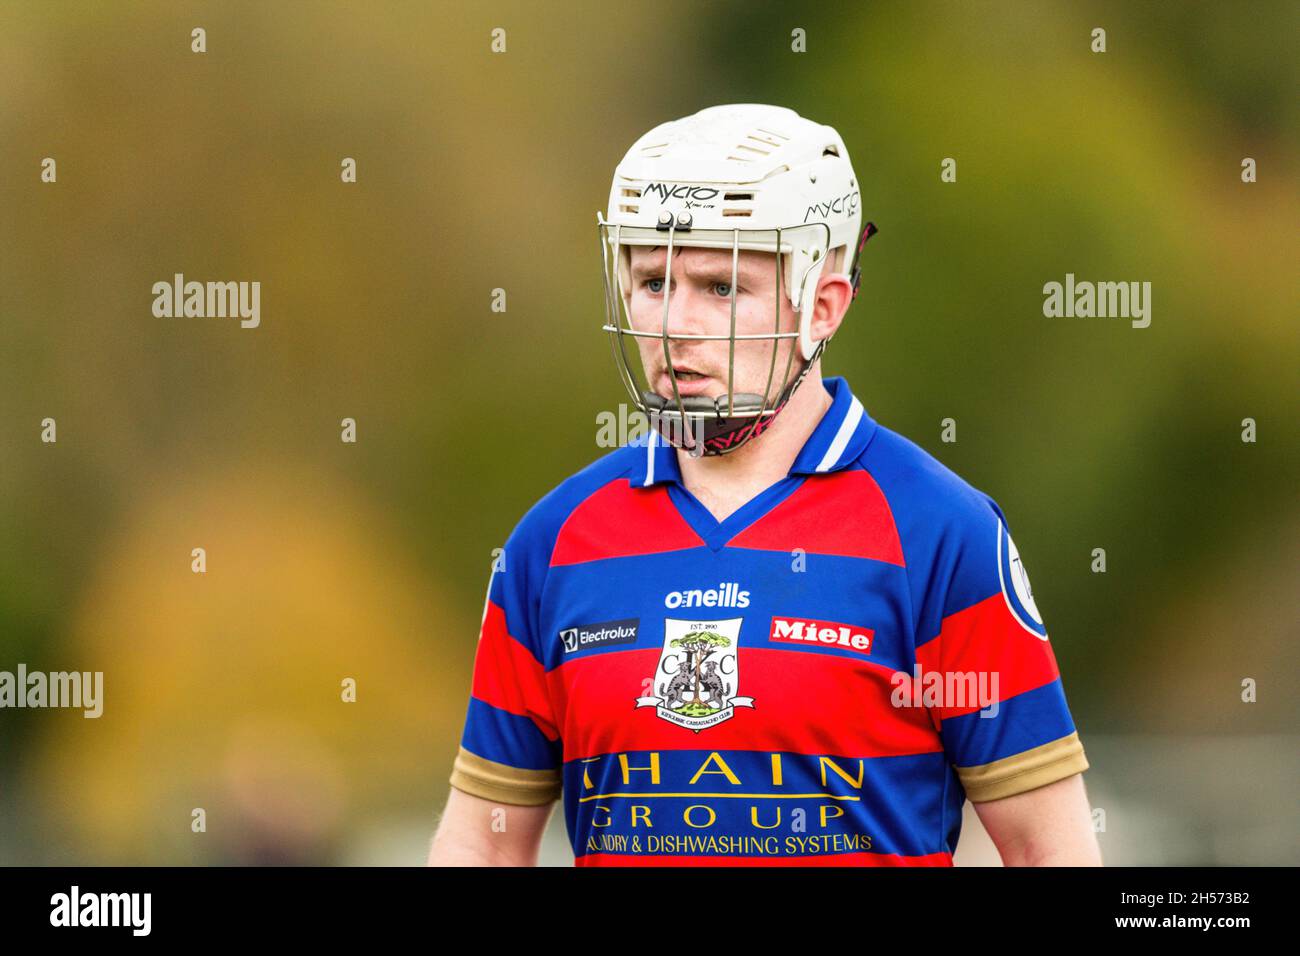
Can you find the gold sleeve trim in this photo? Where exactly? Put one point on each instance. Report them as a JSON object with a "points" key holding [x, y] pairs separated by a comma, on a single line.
{"points": [[1028, 770], [502, 783]]}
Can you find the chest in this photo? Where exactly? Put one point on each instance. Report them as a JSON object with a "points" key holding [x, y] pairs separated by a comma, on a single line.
{"points": [[738, 648]]}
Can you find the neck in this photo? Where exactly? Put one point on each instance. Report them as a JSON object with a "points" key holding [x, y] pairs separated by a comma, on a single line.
{"points": [[768, 457]]}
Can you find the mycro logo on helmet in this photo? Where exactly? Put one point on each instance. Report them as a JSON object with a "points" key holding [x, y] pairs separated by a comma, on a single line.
{"points": [[694, 195], [599, 635], [726, 594], [846, 205]]}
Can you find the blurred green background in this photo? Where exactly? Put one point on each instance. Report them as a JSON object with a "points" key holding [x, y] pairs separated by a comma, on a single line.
{"points": [[477, 171]]}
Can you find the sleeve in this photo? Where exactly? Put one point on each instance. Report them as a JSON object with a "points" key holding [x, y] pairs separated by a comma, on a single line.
{"points": [[510, 750], [1002, 714]]}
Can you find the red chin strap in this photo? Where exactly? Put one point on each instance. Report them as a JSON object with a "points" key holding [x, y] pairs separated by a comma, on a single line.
{"points": [[720, 444], [722, 433], [856, 275]]}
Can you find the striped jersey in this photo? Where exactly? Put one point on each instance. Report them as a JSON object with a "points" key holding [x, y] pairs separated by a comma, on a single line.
{"points": [[824, 677]]}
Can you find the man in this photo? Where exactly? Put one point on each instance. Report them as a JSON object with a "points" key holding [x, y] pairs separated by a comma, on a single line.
{"points": [[772, 631]]}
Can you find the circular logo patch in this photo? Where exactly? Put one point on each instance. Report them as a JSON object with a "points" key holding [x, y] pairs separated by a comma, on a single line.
{"points": [[1020, 581], [1015, 586]]}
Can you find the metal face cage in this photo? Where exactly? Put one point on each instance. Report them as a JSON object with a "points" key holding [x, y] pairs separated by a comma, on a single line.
{"points": [[710, 426]]}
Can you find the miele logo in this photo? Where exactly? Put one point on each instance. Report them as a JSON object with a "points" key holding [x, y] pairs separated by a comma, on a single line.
{"points": [[593, 635], [726, 594], [827, 633]]}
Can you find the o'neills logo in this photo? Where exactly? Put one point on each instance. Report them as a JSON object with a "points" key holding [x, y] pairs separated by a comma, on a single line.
{"points": [[726, 594], [824, 633]]}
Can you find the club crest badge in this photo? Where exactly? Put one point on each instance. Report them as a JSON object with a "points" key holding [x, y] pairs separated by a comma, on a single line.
{"points": [[697, 676], [1015, 586]]}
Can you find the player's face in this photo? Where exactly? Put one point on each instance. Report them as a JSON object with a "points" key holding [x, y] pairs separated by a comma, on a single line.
{"points": [[699, 303]]}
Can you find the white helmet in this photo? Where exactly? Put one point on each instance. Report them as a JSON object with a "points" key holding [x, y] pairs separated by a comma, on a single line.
{"points": [[740, 176]]}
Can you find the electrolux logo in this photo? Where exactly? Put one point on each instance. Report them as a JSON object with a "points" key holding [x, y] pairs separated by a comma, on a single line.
{"points": [[605, 633]]}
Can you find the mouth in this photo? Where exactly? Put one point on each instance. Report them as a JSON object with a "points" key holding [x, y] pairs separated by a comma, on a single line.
{"points": [[689, 381]]}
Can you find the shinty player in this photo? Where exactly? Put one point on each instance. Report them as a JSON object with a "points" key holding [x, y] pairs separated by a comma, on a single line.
{"points": [[770, 631]]}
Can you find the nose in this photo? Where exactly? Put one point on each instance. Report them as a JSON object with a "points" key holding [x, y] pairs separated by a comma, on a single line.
{"points": [[686, 314]]}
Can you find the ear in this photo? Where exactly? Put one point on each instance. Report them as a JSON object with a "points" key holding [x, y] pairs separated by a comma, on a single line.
{"points": [[834, 294]]}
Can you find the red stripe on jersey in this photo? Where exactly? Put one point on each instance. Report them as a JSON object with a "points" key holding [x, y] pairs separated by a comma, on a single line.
{"points": [[804, 702], [813, 859], [986, 637], [507, 676], [842, 513], [617, 521]]}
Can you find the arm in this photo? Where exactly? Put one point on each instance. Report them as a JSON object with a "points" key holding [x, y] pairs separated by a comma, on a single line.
{"points": [[1019, 762], [506, 775], [1047, 826], [478, 832]]}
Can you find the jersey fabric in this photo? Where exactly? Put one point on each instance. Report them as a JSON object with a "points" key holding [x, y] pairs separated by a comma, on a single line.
{"points": [[824, 677]]}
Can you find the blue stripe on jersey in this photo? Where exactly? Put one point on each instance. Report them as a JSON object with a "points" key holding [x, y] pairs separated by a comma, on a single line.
{"points": [[832, 588], [499, 735], [1025, 721], [903, 804]]}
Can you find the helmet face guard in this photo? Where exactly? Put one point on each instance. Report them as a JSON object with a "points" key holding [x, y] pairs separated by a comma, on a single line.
{"points": [[698, 424]]}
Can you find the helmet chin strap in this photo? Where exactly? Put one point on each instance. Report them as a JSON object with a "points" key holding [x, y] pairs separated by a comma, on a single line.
{"points": [[708, 422]]}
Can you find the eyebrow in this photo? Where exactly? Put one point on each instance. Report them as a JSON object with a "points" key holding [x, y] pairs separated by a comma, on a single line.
{"points": [[716, 272]]}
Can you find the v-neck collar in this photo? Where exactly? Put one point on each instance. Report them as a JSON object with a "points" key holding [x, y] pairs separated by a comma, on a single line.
{"points": [[844, 431], [715, 533]]}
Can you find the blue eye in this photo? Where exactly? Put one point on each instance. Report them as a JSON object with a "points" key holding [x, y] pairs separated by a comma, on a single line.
{"points": [[655, 286]]}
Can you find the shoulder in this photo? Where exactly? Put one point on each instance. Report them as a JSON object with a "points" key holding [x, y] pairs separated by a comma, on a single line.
{"points": [[956, 543], [540, 525], [924, 492]]}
